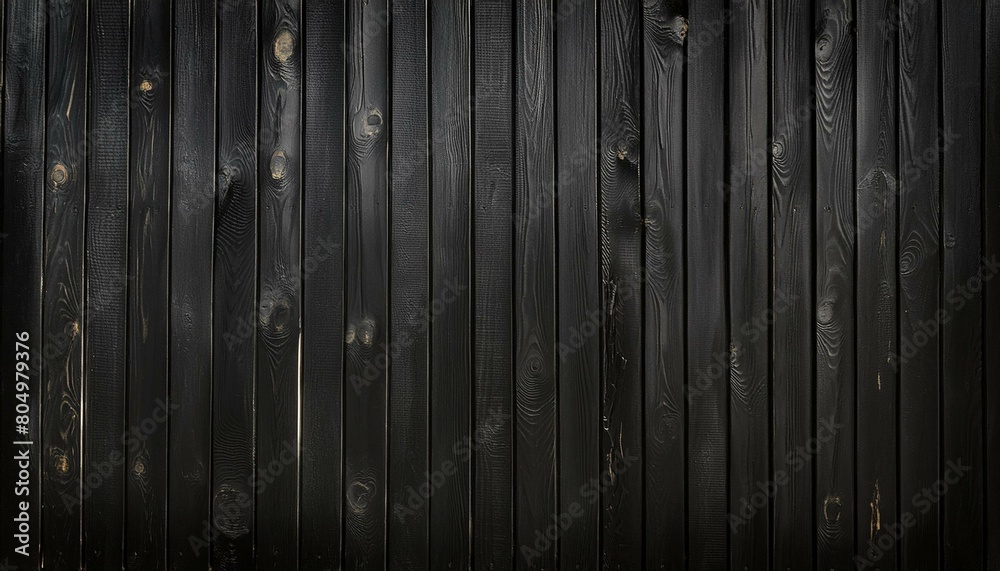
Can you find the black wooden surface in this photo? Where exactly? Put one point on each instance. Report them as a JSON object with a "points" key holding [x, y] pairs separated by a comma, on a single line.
{"points": [[495, 284]]}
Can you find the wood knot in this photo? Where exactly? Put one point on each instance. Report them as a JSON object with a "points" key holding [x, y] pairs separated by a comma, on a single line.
{"points": [[231, 508], [279, 164], [59, 175], [832, 507], [61, 463], [350, 334], [366, 333], [146, 86], [275, 313], [373, 122], [284, 45], [139, 468], [360, 494], [825, 311]]}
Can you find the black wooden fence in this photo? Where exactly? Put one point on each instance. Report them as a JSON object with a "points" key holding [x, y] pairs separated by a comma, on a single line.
{"points": [[672, 284]]}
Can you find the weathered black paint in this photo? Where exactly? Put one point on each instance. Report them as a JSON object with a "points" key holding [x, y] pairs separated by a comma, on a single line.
{"points": [[421, 284]]}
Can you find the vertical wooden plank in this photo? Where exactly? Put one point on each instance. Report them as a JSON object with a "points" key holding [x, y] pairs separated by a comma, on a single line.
{"points": [[192, 226], [792, 347], [409, 295], [367, 285], [62, 294], [963, 273], [748, 186], [707, 330], [231, 534], [534, 281], [106, 283], [279, 293], [664, 103], [23, 204], [876, 319], [493, 350], [148, 291], [834, 289], [578, 288], [622, 285], [991, 295], [320, 523], [450, 366], [919, 278]]}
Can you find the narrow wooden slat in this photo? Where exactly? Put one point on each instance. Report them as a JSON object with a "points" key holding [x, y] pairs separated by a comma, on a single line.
{"points": [[410, 321], [321, 502], [409, 295], [793, 110], [279, 285], [493, 485], [63, 294], [148, 289], [962, 275], [876, 319], [106, 283], [991, 295], [23, 192], [708, 411], [192, 226], [748, 189], [450, 359], [834, 287], [919, 279], [622, 285], [578, 288], [231, 535], [367, 286], [534, 283]]}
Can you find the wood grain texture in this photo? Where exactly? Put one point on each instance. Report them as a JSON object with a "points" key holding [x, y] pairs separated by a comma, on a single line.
{"points": [[450, 359], [493, 346], [321, 496], [367, 286], [834, 287], [409, 295], [62, 294], [232, 530], [962, 278], [192, 237], [148, 289], [707, 329], [622, 284], [991, 290], [534, 281], [410, 321], [279, 295], [792, 343], [748, 187], [23, 209], [105, 275], [876, 176], [919, 277], [578, 289]]}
